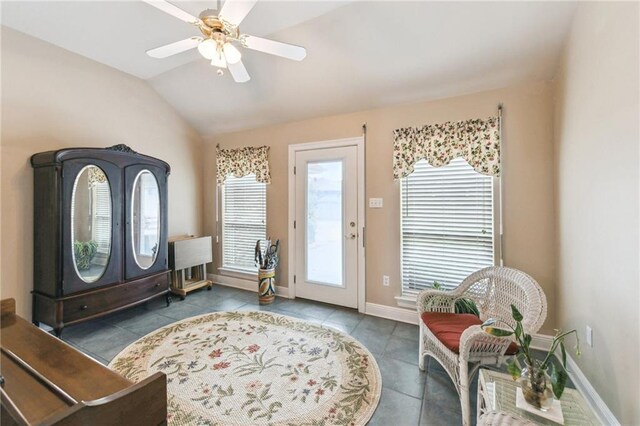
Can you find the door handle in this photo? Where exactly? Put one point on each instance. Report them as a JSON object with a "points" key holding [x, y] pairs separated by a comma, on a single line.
{"points": [[351, 236]]}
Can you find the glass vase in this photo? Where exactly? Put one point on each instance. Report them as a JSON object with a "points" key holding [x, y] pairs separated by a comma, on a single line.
{"points": [[536, 387]]}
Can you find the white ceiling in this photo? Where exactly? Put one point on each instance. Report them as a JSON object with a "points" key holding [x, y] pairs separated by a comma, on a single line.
{"points": [[360, 54]]}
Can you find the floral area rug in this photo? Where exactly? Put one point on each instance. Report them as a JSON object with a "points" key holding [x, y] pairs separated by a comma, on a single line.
{"points": [[246, 368]]}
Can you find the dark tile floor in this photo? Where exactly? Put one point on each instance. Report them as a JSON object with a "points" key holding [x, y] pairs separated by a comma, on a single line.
{"points": [[409, 396]]}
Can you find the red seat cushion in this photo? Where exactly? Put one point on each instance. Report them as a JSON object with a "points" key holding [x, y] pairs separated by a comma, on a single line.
{"points": [[448, 328]]}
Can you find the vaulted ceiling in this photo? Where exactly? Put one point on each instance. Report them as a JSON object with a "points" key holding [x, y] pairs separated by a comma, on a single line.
{"points": [[360, 55]]}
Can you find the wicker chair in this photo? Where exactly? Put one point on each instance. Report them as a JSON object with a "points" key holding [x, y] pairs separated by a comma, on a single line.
{"points": [[499, 418], [493, 290]]}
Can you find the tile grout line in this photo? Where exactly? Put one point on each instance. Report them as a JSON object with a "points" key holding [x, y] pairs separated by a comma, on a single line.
{"points": [[384, 351]]}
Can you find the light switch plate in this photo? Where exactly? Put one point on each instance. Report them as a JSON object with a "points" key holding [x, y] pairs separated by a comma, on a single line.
{"points": [[375, 203], [589, 333]]}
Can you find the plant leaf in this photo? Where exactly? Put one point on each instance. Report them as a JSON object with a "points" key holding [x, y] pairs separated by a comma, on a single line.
{"points": [[488, 322], [518, 330], [563, 351], [515, 313], [512, 368], [527, 340], [466, 306], [559, 378], [498, 332]]}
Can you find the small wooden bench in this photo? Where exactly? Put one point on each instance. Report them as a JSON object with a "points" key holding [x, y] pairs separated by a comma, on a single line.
{"points": [[44, 381]]}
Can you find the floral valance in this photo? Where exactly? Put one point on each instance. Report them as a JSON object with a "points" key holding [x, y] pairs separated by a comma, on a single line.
{"points": [[240, 162], [96, 176], [476, 140]]}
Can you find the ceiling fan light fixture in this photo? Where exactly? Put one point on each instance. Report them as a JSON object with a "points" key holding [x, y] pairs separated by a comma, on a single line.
{"points": [[208, 48], [221, 38], [218, 60], [231, 53]]}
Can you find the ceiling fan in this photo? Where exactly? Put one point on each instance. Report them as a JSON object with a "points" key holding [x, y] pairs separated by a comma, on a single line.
{"points": [[220, 33]]}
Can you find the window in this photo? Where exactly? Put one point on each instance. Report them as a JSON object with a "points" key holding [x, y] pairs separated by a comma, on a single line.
{"points": [[244, 211], [101, 227], [448, 223]]}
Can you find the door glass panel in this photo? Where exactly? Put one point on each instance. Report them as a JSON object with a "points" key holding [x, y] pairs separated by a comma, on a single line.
{"points": [[91, 223], [324, 214], [145, 219]]}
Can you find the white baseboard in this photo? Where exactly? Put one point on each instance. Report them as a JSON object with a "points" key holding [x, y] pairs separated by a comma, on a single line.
{"points": [[243, 284], [583, 385], [409, 316], [541, 341]]}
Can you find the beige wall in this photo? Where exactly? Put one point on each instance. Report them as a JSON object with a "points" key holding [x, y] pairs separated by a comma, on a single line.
{"points": [[597, 147], [53, 99], [528, 181]]}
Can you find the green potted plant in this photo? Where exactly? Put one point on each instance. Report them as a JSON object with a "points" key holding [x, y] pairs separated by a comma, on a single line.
{"points": [[462, 305], [540, 380], [84, 251]]}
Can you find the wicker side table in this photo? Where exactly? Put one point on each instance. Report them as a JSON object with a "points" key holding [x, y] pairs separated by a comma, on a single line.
{"points": [[501, 398]]}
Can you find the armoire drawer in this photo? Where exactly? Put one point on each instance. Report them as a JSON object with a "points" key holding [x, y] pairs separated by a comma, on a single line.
{"points": [[115, 297]]}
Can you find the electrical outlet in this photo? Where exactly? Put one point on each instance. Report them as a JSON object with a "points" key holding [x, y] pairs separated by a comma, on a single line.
{"points": [[589, 334], [375, 203], [385, 280]]}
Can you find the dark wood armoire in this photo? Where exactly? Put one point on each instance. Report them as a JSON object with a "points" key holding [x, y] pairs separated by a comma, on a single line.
{"points": [[100, 233]]}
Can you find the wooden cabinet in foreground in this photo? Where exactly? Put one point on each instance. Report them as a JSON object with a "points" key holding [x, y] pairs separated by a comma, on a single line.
{"points": [[44, 381], [188, 258]]}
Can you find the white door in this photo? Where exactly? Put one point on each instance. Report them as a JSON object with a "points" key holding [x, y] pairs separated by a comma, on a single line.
{"points": [[326, 225]]}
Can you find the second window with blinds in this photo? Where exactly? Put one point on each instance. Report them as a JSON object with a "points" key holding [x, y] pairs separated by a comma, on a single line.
{"points": [[244, 221], [449, 219]]}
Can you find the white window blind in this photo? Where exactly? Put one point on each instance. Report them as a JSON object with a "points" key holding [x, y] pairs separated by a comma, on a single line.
{"points": [[244, 211], [447, 225], [101, 230]]}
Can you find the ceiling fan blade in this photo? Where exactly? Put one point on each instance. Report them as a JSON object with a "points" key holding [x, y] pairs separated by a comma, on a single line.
{"points": [[289, 51], [239, 72], [234, 11], [174, 48], [172, 10]]}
